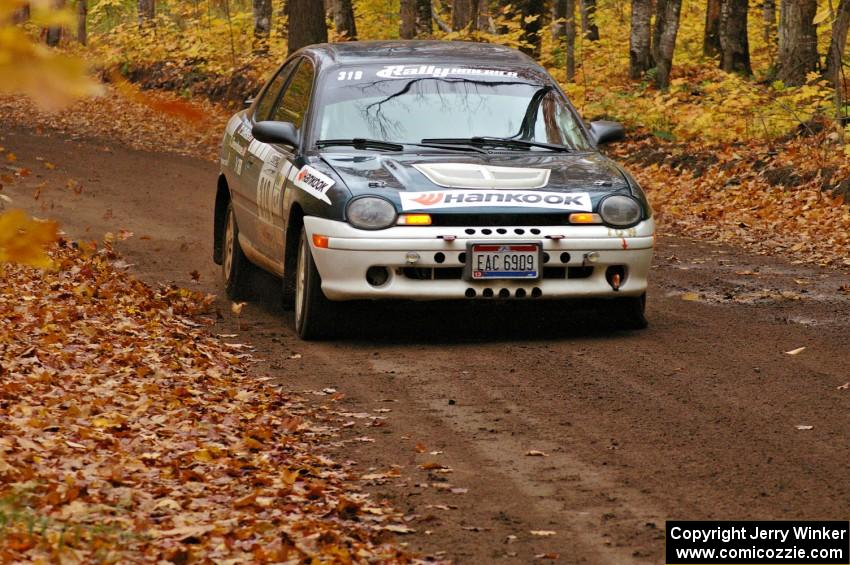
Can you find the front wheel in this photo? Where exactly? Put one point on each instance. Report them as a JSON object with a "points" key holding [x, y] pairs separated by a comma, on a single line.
{"points": [[313, 311], [234, 265]]}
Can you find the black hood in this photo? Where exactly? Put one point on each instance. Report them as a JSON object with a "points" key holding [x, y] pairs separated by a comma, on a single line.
{"points": [[388, 174]]}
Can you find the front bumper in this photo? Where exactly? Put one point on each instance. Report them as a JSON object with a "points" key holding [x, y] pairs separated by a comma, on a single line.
{"points": [[569, 272]]}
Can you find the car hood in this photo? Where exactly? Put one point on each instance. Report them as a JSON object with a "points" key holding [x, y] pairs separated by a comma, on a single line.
{"points": [[397, 177]]}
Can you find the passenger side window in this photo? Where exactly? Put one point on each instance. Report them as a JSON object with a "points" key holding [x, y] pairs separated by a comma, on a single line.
{"points": [[296, 100], [272, 93]]}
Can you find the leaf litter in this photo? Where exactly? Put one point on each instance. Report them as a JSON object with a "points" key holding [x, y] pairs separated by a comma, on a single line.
{"points": [[130, 434]]}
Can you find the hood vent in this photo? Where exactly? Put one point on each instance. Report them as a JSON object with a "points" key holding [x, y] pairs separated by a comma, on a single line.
{"points": [[468, 175]]}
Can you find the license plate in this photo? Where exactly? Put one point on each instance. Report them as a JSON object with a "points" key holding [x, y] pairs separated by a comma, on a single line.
{"points": [[503, 261]]}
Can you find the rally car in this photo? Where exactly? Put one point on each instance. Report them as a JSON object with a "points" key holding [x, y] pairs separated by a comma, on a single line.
{"points": [[426, 170]]}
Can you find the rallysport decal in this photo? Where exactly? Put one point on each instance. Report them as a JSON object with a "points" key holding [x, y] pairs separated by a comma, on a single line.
{"points": [[575, 201], [314, 183], [401, 71]]}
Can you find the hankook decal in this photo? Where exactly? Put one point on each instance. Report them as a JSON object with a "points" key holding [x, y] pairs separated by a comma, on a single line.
{"points": [[314, 183], [576, 201]]}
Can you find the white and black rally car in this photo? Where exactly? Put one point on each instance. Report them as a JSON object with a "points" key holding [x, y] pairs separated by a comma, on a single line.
{"points": [[426, 170]]}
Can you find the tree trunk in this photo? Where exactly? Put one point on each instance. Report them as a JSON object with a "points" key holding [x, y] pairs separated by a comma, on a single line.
{"points": [[464, 15], [54, 33], [588, 20], [147, 11], [82, 14], [734, 42], [306, 24], [21, 14], [407, 19], [344, 23], [711, 39], [798, 40], [838, 43], [262, 24], [768, 14], [657, 28], [483, 16], [640, 52], [667, 41], [423, 18], [531, 25], [559, 8], [569, 16]]}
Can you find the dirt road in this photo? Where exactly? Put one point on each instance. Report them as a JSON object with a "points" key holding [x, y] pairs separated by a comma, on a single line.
{"points": [[694, 418]]}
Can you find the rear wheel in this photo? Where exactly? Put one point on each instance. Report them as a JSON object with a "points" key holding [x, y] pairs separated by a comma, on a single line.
{"points": [[234, 265], [313, 311]]}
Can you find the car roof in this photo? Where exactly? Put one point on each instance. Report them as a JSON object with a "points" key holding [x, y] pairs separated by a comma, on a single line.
{"points": [[417, 51]]}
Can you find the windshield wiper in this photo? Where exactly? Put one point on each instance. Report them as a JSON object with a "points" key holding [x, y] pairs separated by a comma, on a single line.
{"points": [[363, 143], [498, 142]]}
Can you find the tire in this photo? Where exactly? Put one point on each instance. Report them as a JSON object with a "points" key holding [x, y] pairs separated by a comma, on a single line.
{"points": [[235, 267], [630, 312], [314, 313]]}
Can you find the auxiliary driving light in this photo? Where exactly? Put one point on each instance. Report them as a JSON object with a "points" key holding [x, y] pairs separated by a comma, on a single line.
{"points": [[411, 257], [591, 257]]}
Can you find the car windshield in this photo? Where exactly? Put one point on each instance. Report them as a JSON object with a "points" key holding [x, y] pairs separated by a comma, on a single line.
{"points": [[407, 105]]}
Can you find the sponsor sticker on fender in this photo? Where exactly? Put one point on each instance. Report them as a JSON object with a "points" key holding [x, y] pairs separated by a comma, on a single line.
{"points": [[314, 183], [574, 201]]}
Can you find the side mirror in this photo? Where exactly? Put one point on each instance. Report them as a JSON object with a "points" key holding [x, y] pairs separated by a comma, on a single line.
{"points": [[284, 133], [604, 132]]}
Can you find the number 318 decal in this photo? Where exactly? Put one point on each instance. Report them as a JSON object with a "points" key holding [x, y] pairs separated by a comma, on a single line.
{"points": [[350, 75]]}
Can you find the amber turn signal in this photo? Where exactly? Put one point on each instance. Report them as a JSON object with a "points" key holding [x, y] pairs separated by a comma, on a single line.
{"points": [[321, 241], [414, 220], [585, 218]]}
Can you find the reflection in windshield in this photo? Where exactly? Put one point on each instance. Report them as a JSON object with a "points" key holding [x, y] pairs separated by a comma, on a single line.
{"points": [[428, 107]]}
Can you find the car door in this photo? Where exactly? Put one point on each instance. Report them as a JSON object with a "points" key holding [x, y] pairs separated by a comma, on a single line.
{"points": [[279, 162], [244, 165]]}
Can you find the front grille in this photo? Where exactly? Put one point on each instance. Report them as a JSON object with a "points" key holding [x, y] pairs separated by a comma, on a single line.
{"points": [[428, 274], [460, 220]]}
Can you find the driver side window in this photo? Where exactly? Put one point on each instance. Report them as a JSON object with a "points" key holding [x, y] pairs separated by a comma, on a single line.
{"points": [[295, 102], [272, 93]]}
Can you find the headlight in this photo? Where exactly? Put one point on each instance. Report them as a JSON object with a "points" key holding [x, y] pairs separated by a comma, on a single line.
{"points": [[621, 211], [371, 213]]}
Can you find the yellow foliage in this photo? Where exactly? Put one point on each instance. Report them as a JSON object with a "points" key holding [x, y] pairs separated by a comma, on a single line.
{"points": [[51, 78], [703, 103], [24, 240]]}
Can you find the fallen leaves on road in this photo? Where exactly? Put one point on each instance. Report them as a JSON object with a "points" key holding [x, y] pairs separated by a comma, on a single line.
{"points": [[146, 122], [795, 351], [804, 427], [129, 434], [788, 197], [542, 533], [535, 453]]}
